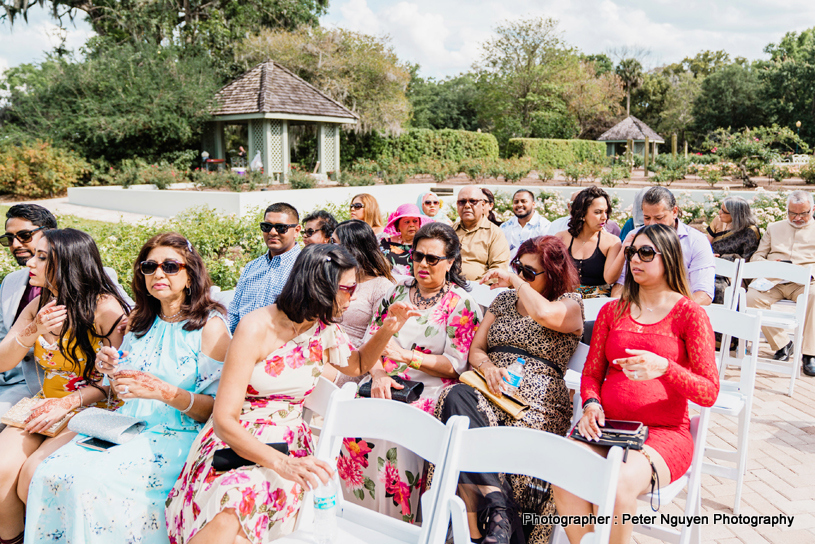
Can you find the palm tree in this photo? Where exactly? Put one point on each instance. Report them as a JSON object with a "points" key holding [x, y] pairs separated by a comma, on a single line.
{"points": [[630, 72]]}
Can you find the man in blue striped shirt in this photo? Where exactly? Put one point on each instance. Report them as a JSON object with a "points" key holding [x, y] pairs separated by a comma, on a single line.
{"points": [[263, 279]]}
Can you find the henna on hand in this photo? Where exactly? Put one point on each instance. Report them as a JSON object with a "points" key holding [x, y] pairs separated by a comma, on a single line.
{"points": [[31, 329], [149, 382], [66, 403]]}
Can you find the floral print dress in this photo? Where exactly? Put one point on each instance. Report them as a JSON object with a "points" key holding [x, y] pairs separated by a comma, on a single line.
{"points": [[266, 503], [381, 475]]}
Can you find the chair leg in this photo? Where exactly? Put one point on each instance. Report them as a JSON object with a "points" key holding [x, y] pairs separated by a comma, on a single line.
{"points": [[743, 441], [797, 356]]}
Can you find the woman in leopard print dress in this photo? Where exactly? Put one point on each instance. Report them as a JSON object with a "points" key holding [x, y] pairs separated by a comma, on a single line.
{"points": [[540, 320]]}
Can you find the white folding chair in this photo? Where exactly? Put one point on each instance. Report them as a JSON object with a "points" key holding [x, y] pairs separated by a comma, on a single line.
{"points": [[780, 319], [317, 401], [735, 396], [547, 456], [374, 418], [572, 378], [483, 295], [733, 271], [592, 307]]}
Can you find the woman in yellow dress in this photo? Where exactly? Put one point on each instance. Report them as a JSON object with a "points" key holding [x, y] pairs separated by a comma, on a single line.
{"points": [[76, 313]]}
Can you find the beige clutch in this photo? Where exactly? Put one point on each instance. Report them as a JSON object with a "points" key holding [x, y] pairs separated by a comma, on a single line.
{"points": [[510, 405], [18, 413]]}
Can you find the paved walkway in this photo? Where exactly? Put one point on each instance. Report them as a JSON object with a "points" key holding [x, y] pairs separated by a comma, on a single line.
{"points": [[780, 475]]}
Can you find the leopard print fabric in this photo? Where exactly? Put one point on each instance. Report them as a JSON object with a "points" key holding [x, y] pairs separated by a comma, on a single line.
{"points": [[547, 395]]}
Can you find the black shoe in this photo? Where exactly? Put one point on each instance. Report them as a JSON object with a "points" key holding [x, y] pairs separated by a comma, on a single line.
{"points": [[783, 354], [495, 520], [809, 365]]}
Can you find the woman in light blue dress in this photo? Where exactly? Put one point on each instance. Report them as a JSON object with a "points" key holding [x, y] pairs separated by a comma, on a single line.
{"points": [[173, 350]]}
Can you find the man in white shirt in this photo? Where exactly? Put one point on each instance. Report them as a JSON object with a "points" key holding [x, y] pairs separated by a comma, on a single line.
{"points": [[562, 223], [526, 224]]}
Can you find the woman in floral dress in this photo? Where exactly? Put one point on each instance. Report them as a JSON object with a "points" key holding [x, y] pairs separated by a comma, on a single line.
{"points": [[276, 357], [431, 348]]}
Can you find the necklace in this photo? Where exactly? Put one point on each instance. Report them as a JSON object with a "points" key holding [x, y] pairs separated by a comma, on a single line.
{"points": [[428, 302], [169, 317]]}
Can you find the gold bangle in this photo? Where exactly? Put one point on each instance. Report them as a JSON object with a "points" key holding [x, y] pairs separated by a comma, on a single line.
{"points": [[416, 361], [17, 339]]}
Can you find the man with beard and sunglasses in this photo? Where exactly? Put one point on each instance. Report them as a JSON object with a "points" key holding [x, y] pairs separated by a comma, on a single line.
{"points": [[25, 224], [526, 224], [263, 279]]}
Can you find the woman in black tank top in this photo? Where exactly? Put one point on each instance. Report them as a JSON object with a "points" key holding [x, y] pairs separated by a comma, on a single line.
{"points": [[598, 269]]}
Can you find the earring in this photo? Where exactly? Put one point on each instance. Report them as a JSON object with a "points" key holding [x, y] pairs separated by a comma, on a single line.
{"points": [[188, 290]]}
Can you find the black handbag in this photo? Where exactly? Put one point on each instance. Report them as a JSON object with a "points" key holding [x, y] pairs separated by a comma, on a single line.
{"points": [[410, 394], [612, 437], [227, 458]]}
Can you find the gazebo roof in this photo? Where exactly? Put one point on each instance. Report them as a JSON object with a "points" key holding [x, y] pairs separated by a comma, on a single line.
{"points": [[269, 88], [630, 128]]}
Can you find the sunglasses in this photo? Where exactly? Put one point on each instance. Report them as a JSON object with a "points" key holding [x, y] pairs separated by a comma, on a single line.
{"points": [[308, 233], [24, 236], [431, 202], [171, 268], [526, 272], [281, 228], [357, 206], [646, 253], [471, 201], [350, 289], [432, 260]]}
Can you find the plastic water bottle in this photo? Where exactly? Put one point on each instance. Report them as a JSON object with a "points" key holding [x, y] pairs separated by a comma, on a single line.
{"points": [[516, 374], [325, 513]]}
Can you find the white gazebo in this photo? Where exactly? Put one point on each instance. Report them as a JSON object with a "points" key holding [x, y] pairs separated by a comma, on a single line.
{"points": [[633, 129], [270, 99]]}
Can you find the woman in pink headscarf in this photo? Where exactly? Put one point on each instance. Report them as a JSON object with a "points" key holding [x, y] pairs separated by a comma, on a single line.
{"points": [[405, 223]]}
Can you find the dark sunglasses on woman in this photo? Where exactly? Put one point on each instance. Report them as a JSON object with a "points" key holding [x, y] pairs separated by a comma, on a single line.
{"points": [[357, 206], [527, 273], [24, 236], [350, 289], [171, 268], [281, 228], [308, 233], [646, 253], [432, 260], [431, 202]]}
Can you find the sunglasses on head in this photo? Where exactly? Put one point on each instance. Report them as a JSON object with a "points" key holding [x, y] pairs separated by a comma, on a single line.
{"points": [[526, 272], [471, 201], [432, 260], [357, 206], [171, 268], [431, 202], [350, 289], [281, 228], [24, 236], [646, 253]]}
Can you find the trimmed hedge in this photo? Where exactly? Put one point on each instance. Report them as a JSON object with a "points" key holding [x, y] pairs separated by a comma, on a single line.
{"points": [[446, 144], [557, 153]]}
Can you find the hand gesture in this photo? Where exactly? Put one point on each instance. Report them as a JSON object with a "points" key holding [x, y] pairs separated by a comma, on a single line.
{"points": [[49, 411], [107, 359], [494, 376], [135, 384], [50, 318], [308, 472], [642, 365], [593, 418], [496, 278], [381, 385], [398, 314]]}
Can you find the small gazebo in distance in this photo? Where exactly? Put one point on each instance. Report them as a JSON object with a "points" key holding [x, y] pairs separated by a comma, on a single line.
{"points": [[633, 129], [270, 99]]}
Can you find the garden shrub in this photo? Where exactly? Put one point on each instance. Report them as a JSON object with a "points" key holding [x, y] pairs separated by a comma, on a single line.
{"points": [[38, 169], [557, 153], [301, 180], [614, 175], [807, 172], [349, 179], [446, 144]]}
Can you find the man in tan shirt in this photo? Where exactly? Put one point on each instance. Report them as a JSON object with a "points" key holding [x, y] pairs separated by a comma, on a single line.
{"points": [[792, 241], [483, 245]]}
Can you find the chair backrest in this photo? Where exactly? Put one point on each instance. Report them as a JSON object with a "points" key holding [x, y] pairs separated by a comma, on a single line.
{"points": [[731, 323], [483, 295], [416, 430], [578, 358], [317, 400], [732, 270], [543, 455], [775, 269], [592, 307], [573, 376]]}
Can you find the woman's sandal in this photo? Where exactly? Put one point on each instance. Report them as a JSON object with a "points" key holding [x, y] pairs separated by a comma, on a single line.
{"points": [[495, 518]]}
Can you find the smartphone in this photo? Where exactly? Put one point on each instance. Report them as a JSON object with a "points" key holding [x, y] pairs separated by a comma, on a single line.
{"points": [[96, 444], [623, 427]]}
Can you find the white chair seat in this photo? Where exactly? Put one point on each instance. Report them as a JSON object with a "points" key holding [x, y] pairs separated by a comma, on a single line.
{"points": [[730, 404], [771, 318], [572, 379], [347, 533]]}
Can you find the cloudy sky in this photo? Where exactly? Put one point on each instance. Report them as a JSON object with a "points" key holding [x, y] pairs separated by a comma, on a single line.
{"points": [[443, 36]]}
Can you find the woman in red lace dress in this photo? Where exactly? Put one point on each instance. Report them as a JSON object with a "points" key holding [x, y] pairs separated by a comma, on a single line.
{"points": [[651, 352]]}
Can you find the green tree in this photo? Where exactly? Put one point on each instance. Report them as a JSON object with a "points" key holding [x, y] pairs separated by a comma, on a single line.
{"points": [[703, 63], [119, 103], [360, 71], [630, 72], [731, 98], [592, 99], [449, 103]]}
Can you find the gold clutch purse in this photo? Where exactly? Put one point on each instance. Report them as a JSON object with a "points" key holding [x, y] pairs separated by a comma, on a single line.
{"points": [[18, 413], [511, 405]]}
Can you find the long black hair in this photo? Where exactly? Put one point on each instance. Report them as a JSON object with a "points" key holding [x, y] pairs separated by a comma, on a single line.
{"points": [[74, 269], [452, 249], [580, 207], [311, 291], [359, 239]]}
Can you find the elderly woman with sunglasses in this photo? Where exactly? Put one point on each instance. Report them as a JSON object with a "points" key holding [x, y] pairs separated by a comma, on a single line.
{"points": [[433, 207], [652, 351], [540, 319], [432, 349], [172, 358]]}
